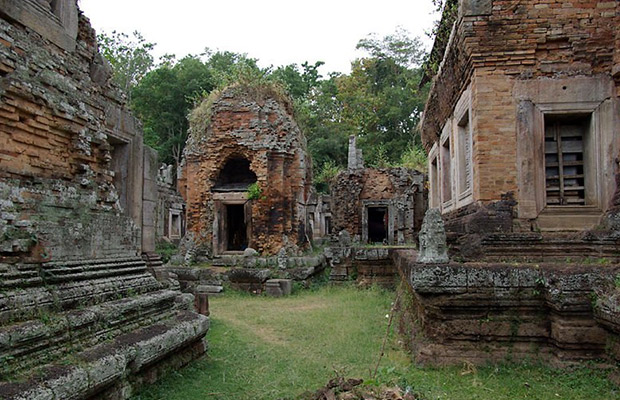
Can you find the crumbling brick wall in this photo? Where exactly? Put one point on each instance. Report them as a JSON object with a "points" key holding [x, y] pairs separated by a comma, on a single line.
{"points": [[255, 124], [523, 40], [399, 189], [59, 116]]}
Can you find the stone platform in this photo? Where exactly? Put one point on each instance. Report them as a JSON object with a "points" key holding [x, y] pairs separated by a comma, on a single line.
{"points": [[481, 312], [91, 328]]}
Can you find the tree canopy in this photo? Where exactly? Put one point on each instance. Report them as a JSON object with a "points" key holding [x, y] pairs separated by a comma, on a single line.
{"points": [[130, 57], [379, 101]]}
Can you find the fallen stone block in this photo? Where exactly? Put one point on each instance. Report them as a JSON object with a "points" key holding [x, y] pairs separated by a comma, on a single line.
{"points": [[279, 287]]}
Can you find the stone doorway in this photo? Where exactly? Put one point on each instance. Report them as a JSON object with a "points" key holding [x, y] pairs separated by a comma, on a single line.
{"points": [[232, 225], [377, 224], [236, 235]]}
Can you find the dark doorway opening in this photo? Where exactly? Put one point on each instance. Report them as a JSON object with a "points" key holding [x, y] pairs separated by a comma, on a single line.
{"points": [[237, 235], [235, 176], [328, 225], [377, 224]]}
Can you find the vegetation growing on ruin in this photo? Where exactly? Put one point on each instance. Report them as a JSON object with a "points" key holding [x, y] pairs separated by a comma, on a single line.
{"points": [[200, 117], [251, 85], [441, 34], [415, 157], [166, 250], [326, 175], [268, 348], [255, 192]]}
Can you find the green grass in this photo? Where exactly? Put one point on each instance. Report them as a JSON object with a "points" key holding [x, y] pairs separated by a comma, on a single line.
{"points": [[265, 348]]}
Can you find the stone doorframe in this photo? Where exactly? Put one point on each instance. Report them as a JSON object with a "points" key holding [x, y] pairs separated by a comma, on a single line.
{"points": [[220, 237], [390, 210]]}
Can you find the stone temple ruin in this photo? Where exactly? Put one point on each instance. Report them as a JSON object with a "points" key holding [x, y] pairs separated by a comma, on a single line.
{"points": [[81, 313], [246, 136], [522, 130], [377, 205], [522, 127], [372, 208]]}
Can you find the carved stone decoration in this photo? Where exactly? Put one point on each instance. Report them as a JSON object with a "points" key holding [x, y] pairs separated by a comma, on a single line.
{"points": [[433, 248]]}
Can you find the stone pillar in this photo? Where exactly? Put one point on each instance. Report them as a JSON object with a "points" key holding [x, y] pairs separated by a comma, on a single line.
{"points": [[355, 159], [201, 300], [149, 199]]}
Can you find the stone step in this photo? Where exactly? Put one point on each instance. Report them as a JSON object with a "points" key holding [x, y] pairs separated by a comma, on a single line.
{"points": [[28, 275], [89, 269], [20, 304], [107, 365], [52, 335], [338, 277], [550, 252], [534, 247], [96, 261], [62, 275], [12, 274], [152, 260]]}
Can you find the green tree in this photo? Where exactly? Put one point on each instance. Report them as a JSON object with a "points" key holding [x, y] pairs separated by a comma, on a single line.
{"points": [[162, 100], [227, 67], [404, 50], [317, 111], [299, 84], [381, 99], [130, 57], [165, 96]]}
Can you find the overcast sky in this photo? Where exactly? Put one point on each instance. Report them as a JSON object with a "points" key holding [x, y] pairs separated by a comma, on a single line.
{"points": [[277, 32]]}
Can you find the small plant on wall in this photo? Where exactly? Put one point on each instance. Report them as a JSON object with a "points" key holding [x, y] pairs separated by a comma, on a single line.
{"points": [[255, 192]]}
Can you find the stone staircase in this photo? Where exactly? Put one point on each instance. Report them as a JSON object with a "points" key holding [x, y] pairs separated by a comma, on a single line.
{"points": [[537, 248], [152, 260], [91, 328], [565, 247]]}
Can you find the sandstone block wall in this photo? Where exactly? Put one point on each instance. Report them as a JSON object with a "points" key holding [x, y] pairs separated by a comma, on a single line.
{"points": [[255, 125], [496, 312], [80, 315]]}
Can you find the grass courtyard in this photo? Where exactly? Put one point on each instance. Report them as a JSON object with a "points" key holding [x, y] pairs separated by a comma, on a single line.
{"points": [[267, 348]]}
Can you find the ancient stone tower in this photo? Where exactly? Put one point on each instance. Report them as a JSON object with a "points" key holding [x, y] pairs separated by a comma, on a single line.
{"points": [[522, 126], [247, 175], [81, 315]]}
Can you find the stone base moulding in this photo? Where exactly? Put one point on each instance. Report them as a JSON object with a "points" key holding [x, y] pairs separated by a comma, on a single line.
{"points": [[483, 312]]}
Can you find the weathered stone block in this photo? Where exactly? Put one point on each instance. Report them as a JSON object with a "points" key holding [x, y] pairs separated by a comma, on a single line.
{"points": [[433, 247], [279, 287]]}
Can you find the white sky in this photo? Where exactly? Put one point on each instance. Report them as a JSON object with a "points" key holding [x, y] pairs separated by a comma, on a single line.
{"points": [[277, 32]]}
